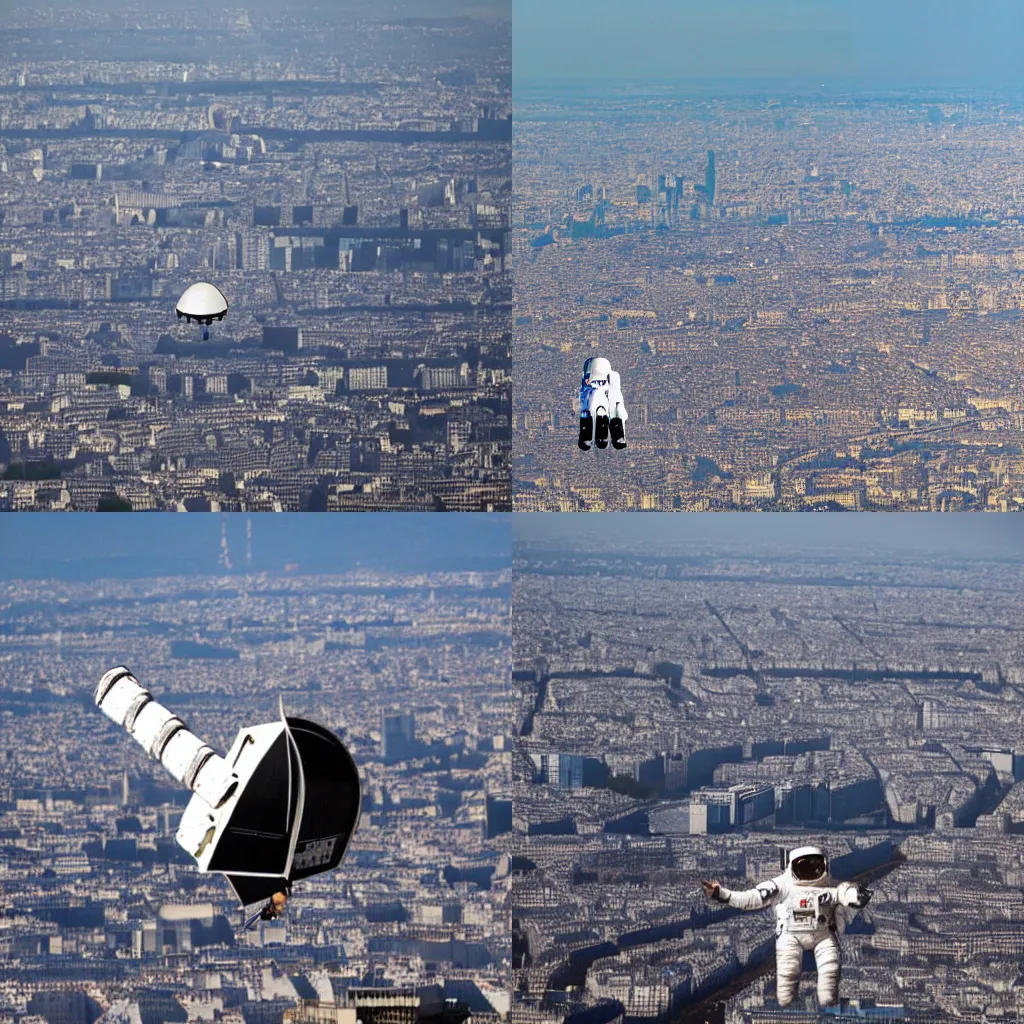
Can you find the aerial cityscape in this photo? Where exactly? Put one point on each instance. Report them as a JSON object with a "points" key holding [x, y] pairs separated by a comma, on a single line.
{"points": [[103, 917], [690, 704], [812, 296], [517, 263], [340, 172]]}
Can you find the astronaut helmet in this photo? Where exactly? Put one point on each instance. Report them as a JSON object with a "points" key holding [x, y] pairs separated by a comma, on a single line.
{"points": [[596, 368], [808, 864]]}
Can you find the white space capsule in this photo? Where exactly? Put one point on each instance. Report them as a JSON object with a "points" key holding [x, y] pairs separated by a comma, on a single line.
{"points": [[202, 303]]}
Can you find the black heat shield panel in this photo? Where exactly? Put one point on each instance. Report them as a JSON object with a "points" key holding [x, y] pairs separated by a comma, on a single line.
{"points": [[254, 889], [330, 811], [257, 836], [332, 801]]}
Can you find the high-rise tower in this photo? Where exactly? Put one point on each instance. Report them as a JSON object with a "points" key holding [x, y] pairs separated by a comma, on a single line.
{"points": [[225, 553]]}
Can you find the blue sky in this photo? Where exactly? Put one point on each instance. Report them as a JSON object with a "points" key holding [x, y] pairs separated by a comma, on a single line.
{"points": [[959, 534], [94, 545], [867, 44]]}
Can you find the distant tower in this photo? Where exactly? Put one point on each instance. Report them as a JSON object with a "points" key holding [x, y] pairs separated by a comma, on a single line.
{"points": [[225, 554], [398, 736], [709, 178], [126, 789], [248, 544]]}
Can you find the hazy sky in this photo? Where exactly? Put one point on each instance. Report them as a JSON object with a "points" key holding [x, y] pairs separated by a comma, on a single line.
{"points": [[94, 545], [334, 8], [871, 42], [959, 534]]}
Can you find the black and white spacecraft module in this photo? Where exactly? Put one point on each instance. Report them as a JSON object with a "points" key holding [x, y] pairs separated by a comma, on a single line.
{"points": [[282, 805]]}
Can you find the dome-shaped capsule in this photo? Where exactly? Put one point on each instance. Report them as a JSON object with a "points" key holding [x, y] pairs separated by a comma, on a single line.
{"points": [[202, 303]]}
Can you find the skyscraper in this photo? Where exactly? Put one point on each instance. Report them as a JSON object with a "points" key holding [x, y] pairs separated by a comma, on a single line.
{"points": [[499, 817], [398, 736]]}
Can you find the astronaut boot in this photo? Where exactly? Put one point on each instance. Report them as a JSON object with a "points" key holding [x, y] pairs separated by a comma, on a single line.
{"points": [[602, 432], [618, 433], [586, 433]]}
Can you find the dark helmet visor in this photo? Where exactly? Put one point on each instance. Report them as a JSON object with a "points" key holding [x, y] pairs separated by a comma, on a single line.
{"points": [[807, 869]]}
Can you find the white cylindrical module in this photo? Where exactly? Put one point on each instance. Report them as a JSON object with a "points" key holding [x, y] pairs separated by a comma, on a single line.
{"points": [[165, 737]]}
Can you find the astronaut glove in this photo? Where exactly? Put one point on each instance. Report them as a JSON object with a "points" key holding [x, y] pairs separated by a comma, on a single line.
{"points": [[864, 895]]}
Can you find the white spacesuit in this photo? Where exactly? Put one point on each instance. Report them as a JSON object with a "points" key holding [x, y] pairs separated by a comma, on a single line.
{"points": [[602, 410], [805, 899]]}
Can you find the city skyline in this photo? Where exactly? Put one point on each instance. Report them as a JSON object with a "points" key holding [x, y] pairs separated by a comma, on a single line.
{"points": [[810, 297]]}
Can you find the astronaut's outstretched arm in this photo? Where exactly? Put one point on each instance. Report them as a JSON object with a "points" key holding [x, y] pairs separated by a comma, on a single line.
{"points": [[852, 894], [764, 894]]}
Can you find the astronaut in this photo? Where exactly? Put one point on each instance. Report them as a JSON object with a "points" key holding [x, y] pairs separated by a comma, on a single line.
{"points": [[805, 898], [271, 910], [602, 410], [274, 907]]}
